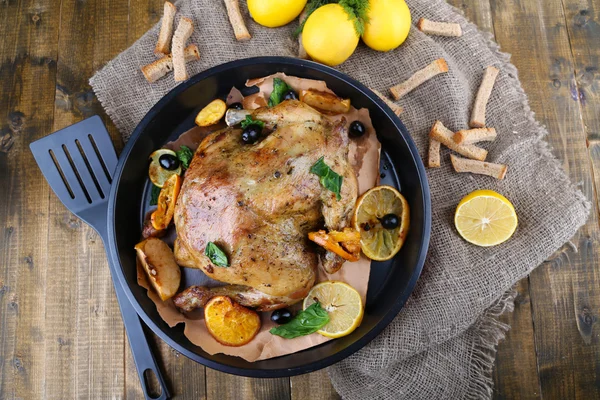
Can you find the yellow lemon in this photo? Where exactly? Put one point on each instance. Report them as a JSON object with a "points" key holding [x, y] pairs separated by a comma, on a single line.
{"points": [[274, 13], [388, 26], [343, 304], [329, 36], [485, 218]]}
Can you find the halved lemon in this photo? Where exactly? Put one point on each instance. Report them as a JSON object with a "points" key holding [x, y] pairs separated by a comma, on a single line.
{"points": [[485, 218], [212, 113], [381, 237], [343, 304]]}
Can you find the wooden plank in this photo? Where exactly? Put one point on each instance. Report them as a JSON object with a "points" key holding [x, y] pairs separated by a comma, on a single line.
{"points": [[515, 370], [221, 386], [478, 12], [185, 378], [563, 291], [29, 31], [81, 307], [583, 26], [315, 386]]}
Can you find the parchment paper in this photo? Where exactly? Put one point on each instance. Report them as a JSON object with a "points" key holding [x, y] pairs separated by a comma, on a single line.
{"points": [[364, 156]]}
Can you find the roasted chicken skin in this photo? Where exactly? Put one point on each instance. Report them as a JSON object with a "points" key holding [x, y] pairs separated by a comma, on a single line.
{"points": [[258, 202]]}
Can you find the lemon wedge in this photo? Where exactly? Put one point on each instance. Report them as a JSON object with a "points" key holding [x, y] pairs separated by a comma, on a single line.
{"points": [[343, 304], [485, 218]]}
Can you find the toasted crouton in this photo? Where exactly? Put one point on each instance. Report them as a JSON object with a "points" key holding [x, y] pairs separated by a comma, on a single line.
{"points": [[439, 28], [237, 21], [497, 171], [182, 34], [166, 30], [395, 108], [476, 135], [445, 136], [483, 95], [433, 160], [418, 78], [161, 67]]}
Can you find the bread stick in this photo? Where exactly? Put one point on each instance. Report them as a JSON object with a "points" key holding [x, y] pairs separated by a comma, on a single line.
{"points": [[497, 171], [161, 67], [476, 135], [433, 160], [166, 30], [237, 21], [439, 28], [182, 34], [483, 95], [395, 107], [445, 136], [418, 78]]}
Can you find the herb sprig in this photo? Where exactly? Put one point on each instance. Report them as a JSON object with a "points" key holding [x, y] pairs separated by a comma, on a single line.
{"points": [[304, 323], [329, 178], [357, 10]]}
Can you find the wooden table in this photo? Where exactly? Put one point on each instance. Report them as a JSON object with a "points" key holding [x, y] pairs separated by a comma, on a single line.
{"points": [[61, 334]]}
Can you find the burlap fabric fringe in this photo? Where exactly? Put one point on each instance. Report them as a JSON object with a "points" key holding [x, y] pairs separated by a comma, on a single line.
{"points": [[442, 344]]}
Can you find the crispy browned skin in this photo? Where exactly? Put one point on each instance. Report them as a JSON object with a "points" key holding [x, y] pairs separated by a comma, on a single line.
{"points": [[258, 203], [197, 296]]}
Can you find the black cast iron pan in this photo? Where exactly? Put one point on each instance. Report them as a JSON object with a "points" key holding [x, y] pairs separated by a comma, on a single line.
{"points": [[119, 221]]}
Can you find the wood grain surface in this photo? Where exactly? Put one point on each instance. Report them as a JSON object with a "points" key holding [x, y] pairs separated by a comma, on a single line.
{"points": [[61, 334]]}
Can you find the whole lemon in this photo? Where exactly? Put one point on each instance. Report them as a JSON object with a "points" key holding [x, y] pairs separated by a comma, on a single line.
{"points": [[388, 26], [274, 13], [329, 36]]}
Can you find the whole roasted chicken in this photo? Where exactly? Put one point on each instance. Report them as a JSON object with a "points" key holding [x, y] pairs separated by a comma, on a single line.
{"points": [[257, 202]]}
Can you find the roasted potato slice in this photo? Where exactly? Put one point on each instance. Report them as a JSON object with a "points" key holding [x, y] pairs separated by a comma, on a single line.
{"points": [[328, 103], [230, 323], [159, 263], [165, 208]]}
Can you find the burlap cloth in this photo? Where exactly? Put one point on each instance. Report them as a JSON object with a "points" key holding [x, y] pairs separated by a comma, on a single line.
{"points": [[442, 344]]}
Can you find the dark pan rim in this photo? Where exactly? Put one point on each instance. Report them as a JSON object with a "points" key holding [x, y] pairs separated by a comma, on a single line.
{"points": [[362, 341]]}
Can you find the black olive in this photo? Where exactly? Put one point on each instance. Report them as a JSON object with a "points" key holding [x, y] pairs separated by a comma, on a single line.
{"points": [[282, 316], [357, 129], [251, 134], [390, 221], [168, 162], [236, 106], [290, 95]]}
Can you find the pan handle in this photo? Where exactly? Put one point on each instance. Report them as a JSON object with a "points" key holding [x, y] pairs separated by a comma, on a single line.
{"points": [[140, 348]]}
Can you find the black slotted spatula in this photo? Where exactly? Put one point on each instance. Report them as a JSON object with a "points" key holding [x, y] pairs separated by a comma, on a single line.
{"points": [[78, 162]]}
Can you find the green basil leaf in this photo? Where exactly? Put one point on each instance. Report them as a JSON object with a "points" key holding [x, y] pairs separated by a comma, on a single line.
{"points": [[185, 155], [154, 195], [250, 121], [216, 255], [304, 323], [279, 89], [329, 178]]}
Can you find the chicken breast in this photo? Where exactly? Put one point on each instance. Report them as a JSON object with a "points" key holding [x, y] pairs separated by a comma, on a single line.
{"points": [[258, 202]]}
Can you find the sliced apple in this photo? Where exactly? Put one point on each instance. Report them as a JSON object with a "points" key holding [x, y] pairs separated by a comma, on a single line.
{"points": [[159, 263]]}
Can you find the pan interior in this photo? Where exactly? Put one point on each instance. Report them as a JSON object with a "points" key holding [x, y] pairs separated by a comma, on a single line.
{"points": [[390, 282]]}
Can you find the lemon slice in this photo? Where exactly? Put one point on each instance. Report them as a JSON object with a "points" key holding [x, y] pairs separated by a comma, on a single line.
{"points": [[380, 239], [212, 113], [343, 304], [159, 175], [485, 218]]}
